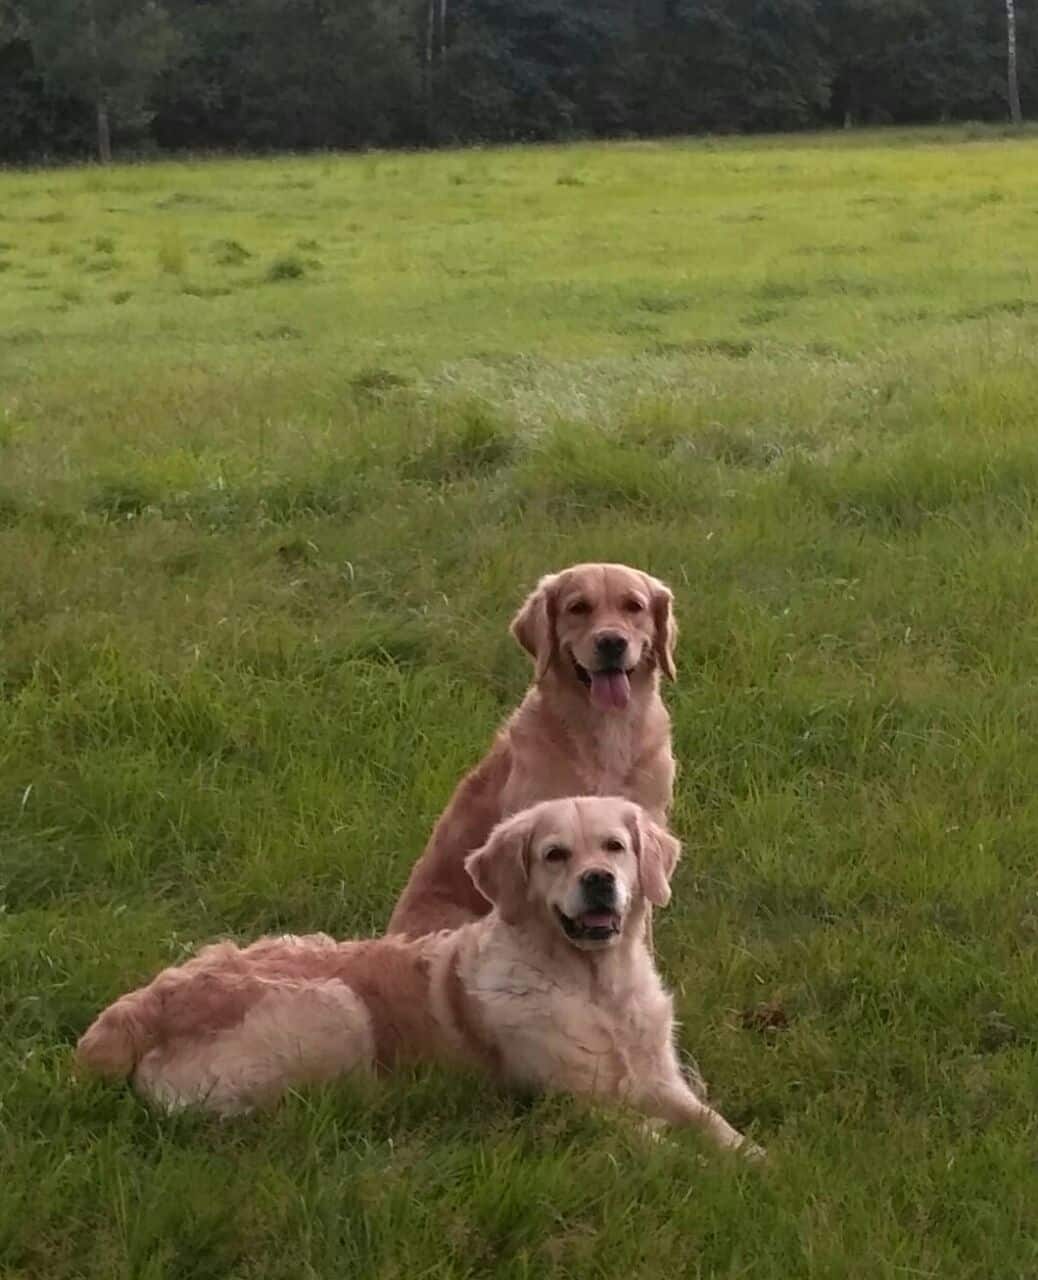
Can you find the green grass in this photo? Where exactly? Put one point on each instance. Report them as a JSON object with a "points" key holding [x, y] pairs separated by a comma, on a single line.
{"points": [[262, 527]]}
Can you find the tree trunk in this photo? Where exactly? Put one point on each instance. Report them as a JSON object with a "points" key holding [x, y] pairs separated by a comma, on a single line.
{"points": [[1015, 113], [104, 133], [443, 29]]}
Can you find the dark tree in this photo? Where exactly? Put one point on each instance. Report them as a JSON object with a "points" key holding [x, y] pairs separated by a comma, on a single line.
{"points": [[296, 74], [110, 52]]}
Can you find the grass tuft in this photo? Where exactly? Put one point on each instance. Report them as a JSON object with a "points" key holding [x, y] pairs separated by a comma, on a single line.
{"points": [[288, 267], [172, 253], [230, 253]]}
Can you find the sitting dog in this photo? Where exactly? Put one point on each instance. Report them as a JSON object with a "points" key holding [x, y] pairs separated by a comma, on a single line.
{"points": [[593, 723], [554, 989]]}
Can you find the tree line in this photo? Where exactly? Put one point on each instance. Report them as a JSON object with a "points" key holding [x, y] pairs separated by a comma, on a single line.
{"points": [[167, 75]]}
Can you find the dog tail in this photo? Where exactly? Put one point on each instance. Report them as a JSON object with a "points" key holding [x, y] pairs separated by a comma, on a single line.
{"points": [[118, 1039], [210, 992]]}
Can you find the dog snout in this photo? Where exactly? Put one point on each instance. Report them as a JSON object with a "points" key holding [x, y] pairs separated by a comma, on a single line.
{"points": [[599, 886], [610, 646]]}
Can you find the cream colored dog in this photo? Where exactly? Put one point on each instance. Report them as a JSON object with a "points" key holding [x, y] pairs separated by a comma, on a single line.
{"points": [[593, 723], [554, 989]]}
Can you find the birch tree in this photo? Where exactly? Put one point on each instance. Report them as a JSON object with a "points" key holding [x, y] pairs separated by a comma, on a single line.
{"points": [[1015, 113]]}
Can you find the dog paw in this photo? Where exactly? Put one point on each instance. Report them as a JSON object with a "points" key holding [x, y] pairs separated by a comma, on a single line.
{"points": [[652, 1129]]}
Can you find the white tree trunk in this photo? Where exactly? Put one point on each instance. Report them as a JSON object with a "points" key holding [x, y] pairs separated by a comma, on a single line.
{"points": [[1015, 113]]}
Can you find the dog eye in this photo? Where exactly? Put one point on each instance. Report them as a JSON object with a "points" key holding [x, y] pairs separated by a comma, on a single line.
{"points": [[612, 845], [579, 606], [556, 854], [633, 606]]}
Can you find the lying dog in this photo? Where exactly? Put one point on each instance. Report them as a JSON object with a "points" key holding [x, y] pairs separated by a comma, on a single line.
{"points": [[554, 989], [592, 724]]}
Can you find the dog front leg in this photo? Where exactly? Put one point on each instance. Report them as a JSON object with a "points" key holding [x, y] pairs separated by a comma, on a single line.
{"points": [[673, 1101]]}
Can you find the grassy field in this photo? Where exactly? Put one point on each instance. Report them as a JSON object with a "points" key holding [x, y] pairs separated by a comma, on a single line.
{"points": [[282, 444]]}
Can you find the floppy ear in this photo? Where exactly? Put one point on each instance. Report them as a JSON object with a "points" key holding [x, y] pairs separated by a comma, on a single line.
{"points": [[666, 627], [500, 869], [657, 852], [534, 625]]}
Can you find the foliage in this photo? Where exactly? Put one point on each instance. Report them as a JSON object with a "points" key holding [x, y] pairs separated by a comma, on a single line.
{"points": [[108, 52], [301, 74]]}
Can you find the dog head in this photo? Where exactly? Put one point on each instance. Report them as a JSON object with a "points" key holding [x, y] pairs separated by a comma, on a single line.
{"points": [[599, 626], [584, 867]]}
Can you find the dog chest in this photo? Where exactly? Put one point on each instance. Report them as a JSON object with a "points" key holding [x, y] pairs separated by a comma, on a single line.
{"points": [[559, 1039]]}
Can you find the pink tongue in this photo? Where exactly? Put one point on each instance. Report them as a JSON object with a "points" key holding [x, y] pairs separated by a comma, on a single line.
{"points": [[610, 690], [596, 919]]}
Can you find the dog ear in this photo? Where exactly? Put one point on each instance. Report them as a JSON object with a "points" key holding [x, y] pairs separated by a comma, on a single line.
{"points": [[666, 628], [657, 852], [500, 870], [534, 625]]}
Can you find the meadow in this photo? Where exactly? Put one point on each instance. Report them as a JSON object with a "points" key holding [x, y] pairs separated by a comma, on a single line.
{"points": [[283, 442]]}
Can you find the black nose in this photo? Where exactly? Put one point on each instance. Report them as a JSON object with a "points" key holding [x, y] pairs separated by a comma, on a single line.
{"points": [[599, 886], [610, 647]]}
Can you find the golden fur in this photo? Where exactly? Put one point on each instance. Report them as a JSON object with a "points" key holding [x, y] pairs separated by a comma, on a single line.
{"points": [[560, 742], [553, 989]]}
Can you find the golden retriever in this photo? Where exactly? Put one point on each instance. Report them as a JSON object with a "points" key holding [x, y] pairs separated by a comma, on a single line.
{"points": [[593, 723], [554, 989]]}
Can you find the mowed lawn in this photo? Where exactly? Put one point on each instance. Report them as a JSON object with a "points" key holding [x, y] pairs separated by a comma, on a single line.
{"points": [[282, 445]]}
